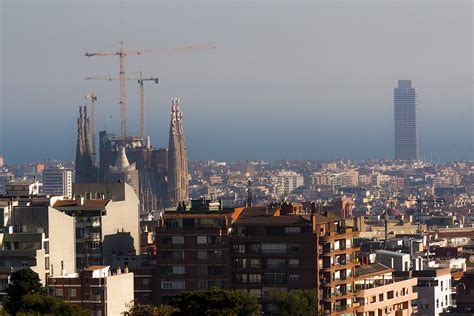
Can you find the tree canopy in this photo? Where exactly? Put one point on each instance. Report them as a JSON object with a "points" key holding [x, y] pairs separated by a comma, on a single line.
{"points": [[22, 282], [295, 303], [25, 297], [216, 302], [135, 309]]}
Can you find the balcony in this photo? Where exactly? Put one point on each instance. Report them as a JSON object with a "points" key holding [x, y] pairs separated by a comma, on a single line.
{"points": [[341, 308], [342, 232], [373, 285]]}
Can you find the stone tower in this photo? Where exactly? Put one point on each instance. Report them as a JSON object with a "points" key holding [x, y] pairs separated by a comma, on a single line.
{"points": [[86, 171], [177, 180]]}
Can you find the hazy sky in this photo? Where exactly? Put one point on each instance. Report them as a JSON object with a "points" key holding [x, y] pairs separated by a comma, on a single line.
{"points": [[287, 80]]}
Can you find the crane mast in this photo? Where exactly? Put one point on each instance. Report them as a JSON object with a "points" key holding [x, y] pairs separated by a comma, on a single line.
{"points": [[123, 96], [122, 53], [140, 81]]}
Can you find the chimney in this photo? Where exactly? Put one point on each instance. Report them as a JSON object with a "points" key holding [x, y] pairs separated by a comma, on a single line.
{"points": [[125, 270], [119, 271]]}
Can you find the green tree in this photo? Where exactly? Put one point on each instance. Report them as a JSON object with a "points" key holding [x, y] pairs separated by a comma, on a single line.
{"points": [[216, 302], [135, 309], [22, 282], [40, 304], [295, 303], [25, 297]]}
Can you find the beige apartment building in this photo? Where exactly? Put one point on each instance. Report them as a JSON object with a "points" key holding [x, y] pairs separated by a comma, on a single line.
{"points": [[106, 219], [378, 292]]}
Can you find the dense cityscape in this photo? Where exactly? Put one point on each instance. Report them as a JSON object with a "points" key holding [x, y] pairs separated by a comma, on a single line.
{"points": [[127, 228]]}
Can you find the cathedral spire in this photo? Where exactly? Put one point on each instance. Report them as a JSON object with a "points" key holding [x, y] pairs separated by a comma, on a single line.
{"points": [[86, 171], [177, 158]]}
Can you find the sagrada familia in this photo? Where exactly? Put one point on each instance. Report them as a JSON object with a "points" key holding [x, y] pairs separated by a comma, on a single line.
{"points": [[159, 176]]}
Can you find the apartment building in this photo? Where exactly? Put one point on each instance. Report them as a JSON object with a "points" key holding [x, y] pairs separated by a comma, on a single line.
{"points": [[281, 248], [258, 249], [39, 237], [96, 289], [58, 180], [378, 292], [193, 249], [106, 217], [433, 288]]}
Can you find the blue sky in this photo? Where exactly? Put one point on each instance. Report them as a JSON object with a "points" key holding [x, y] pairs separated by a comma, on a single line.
{"points": [[287, 80]]}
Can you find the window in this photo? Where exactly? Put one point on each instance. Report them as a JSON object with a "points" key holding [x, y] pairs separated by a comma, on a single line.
{"points": [[146, 282], [381, 297], [146, 297], [58, 292], [202, 239], [202, 284], [239, 248], [178, 270], [177, 239], [389, 295], [256, 292], [177, 285], [255, 278], [276, 263], [294, 278], [202, 270], [213, 270], [294, 263], [177, 255], [292, 229], [293, 248], [202, 255], [273, 248]]}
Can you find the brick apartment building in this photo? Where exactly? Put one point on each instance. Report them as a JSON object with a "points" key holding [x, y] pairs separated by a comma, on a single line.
{"points": [[259, 249], [193, 250]]}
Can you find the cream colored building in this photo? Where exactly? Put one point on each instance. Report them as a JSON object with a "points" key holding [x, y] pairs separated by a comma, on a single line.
{"points": [[378, 292], [41, 238], [107, 222]]}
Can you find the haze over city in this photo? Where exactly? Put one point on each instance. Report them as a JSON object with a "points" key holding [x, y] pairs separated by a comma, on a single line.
{"points": [[304, 80]]}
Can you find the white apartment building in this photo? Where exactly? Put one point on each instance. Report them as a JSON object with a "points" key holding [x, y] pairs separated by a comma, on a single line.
{"points": [[434, 291], [287, 181], [58, 181]]}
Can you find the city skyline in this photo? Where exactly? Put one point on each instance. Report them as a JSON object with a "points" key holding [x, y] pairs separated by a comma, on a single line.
{"points": [[340, 105]]}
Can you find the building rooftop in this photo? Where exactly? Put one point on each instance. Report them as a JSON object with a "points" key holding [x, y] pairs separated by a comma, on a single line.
{"points": [[92, 268], [85, 203], [372, 269]]}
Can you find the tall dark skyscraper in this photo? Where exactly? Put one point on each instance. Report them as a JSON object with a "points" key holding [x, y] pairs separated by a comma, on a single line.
{"points": [[86, 171], [407, 143], [177, 158]]}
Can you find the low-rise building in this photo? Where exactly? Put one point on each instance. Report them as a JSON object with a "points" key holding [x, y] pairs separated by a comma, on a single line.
{"points": [[96, 289]]}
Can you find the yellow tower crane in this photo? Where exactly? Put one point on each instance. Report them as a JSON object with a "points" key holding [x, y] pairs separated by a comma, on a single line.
{"points": [[140, 81], [122, 53]]}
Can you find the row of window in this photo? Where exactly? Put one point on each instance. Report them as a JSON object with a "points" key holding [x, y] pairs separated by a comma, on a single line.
{"points": [[266, 278], [202, 240], [201, 255], [271, 263], [276, 248]]}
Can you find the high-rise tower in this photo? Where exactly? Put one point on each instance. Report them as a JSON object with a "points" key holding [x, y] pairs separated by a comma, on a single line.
{"points": [[407, 144], [86, 171], [177, 158]]}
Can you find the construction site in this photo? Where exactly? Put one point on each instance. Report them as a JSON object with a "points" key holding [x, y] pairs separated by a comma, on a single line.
{"points": [[159, 176]]}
